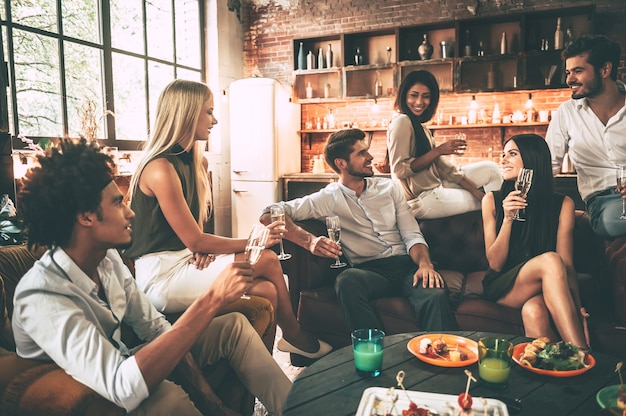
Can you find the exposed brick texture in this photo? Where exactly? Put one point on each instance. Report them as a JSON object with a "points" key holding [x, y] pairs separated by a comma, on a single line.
{"points": [[272, 26]]}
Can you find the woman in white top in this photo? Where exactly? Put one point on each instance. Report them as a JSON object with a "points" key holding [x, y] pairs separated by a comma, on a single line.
{"points": [[434, 187]]}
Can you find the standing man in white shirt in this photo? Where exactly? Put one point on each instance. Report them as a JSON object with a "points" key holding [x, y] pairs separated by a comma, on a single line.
{"points": [[378, 233], [69, 307], [591, 127]]}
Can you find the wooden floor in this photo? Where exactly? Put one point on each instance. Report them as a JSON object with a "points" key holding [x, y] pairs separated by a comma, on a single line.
{"points": [[282, 358]]}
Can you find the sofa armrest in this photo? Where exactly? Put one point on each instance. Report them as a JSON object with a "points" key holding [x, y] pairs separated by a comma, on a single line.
{"points": [[34, 388]]}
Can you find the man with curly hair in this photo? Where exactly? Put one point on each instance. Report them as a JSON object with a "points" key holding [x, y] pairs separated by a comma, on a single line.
{"points": [[70, 305]]}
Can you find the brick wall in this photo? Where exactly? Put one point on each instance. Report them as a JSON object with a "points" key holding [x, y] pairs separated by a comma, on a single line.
{"points": [[272, 25]]}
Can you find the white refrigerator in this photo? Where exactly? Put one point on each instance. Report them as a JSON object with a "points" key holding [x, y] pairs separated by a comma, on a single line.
{"points": [[264, 144]]}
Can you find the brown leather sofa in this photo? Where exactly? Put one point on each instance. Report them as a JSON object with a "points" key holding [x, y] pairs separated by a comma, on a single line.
{"points": [[29, 387], [457, 247]]}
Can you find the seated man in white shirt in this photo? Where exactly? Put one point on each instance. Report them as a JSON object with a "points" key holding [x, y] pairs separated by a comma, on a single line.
{"points": [[378, 233], [70, 305], [591, 127]]}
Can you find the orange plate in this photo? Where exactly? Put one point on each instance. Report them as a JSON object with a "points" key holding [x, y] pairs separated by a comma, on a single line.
{"points": [[518, 350], [466, 345]]}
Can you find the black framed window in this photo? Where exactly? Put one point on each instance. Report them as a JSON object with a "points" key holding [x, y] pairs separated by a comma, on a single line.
{"points": [[95, 68]]}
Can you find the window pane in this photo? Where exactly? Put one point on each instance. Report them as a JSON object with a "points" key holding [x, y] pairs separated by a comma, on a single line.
{"points": [[2, 9], [159, 75], [83, 77], [159, 28], [129, 89], [188, 33], [127, 25], [188, 74], [37, 84], [41, 14], [80, 20]]}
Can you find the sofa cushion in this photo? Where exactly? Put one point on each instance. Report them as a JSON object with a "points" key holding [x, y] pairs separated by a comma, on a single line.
{"points": [[15, 261], [456, 243]]}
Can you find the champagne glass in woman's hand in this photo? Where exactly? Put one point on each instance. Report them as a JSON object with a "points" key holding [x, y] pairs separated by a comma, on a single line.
{"points": [[277, 212], [255, 246], [334, 233], [621, 184], [522, 184]]}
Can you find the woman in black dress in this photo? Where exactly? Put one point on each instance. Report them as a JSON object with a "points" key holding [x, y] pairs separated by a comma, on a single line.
{"points": [[531, 262]]}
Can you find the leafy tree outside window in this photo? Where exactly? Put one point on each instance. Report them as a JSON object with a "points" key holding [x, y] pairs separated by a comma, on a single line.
{"points": [[64, 55]]}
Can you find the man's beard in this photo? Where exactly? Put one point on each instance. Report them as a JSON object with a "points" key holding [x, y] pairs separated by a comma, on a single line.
{"points": [[357, 174], [591, 90]]}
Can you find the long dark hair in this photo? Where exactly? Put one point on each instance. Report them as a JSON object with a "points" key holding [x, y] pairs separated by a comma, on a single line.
{"points": [[542, 212], [422, 145]]}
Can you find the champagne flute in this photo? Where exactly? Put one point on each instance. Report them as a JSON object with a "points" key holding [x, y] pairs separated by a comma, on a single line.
{"points": [[334, 233], [461, 136], [277, 212], [621, 184], [255, 246], [522, 184]]}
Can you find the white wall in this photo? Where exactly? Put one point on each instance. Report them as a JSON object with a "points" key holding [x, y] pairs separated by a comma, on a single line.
{"points": [[225, 64]]}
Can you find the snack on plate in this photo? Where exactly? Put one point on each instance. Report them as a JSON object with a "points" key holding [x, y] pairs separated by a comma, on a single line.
{"points": [[562, 356], [439, 349], [621, 397]]}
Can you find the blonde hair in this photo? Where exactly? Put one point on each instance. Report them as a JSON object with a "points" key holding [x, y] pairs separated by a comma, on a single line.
{"points": [[177, 113]]}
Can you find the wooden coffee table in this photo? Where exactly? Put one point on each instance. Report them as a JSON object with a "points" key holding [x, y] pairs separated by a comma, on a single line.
{"points": [[331, 387]]}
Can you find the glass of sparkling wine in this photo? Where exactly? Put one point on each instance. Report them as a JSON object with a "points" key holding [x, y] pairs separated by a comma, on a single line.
{"points": [[255, 246], [334, 233], [461, 149], [277, 212], [522, 184], [621, 184]]}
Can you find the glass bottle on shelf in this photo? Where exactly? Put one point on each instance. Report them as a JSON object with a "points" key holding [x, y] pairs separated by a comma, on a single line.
{"points": [[309, 91], [503, 44], [481, 49], [310, 61], [301, 59], [558, 35], [331, 119], [329, 57], [320, 59], [569, 37], [378, 85], [358, 58], [467, 49]]}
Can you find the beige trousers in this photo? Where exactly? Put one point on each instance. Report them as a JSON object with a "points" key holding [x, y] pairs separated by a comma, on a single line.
{"points": [[231, 337]]}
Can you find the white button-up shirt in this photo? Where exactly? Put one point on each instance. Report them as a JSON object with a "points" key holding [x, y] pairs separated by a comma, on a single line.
{"points": [[594, 149], [377, 224], [59, 317]]}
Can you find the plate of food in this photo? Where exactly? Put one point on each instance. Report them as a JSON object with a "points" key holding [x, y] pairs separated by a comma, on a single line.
{"points": [[382, 401], [561, 359], [444, 350], [607, 397]]}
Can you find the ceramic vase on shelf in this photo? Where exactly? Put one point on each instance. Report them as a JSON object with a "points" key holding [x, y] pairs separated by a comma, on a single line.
{"points": [[425, 50]]}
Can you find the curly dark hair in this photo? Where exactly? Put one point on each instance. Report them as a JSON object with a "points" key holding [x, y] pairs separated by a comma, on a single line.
{"points": [[67, 181], [601, 50], [340, 144]]}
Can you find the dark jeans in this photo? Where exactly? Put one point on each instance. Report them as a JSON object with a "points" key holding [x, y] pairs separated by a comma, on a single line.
{"points": [[392, 276]]}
